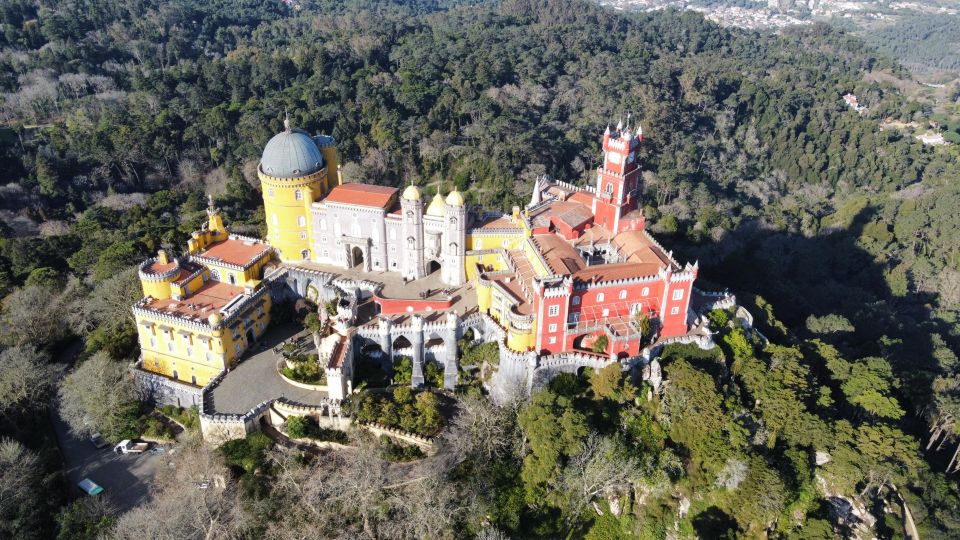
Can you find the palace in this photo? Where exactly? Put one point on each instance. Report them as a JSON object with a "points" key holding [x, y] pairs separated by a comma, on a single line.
{"points": [[574, 272]]}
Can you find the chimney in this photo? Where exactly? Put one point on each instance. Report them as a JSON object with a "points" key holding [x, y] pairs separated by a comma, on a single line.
{"points": [[162, 257]]}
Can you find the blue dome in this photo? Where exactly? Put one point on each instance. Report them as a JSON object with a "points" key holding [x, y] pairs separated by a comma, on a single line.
{"points": [[291, 154]]}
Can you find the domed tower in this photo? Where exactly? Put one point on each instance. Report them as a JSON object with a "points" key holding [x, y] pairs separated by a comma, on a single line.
{"points": [[411, 205], [293, 174], [455, 239]]}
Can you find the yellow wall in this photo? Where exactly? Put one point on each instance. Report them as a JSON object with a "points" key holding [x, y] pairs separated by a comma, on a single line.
{"points": [[283, 211], [477, 240], [188, 355], [242, 278], [157, 289]]}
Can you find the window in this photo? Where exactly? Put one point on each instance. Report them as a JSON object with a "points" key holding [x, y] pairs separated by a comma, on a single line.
{"points": [[453, 222], [609, 188], [478, 244], [623, 294], [170, 346], [323, 225], [231, 278], [552, 328], [270, 192], [189, 351], [275, 220], [393, 234], [298, 195], [552, 341], [301, 221], [305, 254], [645, 291], [214, 274], [209, 357], [303, 235], [506, 243], [153, 342], [674, 310], [678, 294], [554, 311], [606, 312], [238, 349], [599, 297], [576, 300], [326, 254]]}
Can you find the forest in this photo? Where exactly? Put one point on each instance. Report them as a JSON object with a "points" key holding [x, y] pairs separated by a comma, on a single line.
{"points": [[841, 239]]}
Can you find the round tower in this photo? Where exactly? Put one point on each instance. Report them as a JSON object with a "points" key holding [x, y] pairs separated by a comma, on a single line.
{"points": [[158, 274], [292, 175]]}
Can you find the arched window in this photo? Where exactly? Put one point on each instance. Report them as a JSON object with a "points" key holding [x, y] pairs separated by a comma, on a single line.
{"points": [[305, 254], [609, 188], [409, 215], [231, 278], [411, 242], [645, 291], [453, 222], [298, 195], [453, 247], [600, 297], [214, 274], [576, 300], [623, 294], [301, 221]]}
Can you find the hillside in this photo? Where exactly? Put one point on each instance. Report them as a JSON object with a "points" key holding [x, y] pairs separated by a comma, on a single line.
{"points": [[844, 240]]}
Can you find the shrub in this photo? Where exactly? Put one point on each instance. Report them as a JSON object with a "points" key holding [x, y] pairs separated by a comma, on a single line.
{"points": [[247, 454], [392, 451], [600, 345], [298, 427]]}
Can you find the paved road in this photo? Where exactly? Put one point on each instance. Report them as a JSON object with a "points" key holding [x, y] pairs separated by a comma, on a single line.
{"points": [[256, 380], [125, 479]]}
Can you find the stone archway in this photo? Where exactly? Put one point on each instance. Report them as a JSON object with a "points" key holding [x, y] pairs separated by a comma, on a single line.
{"points": [[433, 266], [356, 257]]}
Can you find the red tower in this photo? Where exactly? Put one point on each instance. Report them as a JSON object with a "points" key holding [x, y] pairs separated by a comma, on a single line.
{"points": [[618, 178]]}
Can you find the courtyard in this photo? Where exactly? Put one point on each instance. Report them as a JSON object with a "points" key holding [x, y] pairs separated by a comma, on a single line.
{"points": [[255, 379]]}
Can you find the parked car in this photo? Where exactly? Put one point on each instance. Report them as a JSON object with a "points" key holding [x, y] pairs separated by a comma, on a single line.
{"points": [[90, 487], [98, 441], [127, 446]]}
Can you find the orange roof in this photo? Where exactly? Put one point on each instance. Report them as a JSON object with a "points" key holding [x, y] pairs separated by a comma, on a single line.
{"points": [[583, 198], [156, 268], [207, 300], [562, 257], [362, 194], [611, 272], [236, 251], [636, 246], [501, 222], [572, 214]]}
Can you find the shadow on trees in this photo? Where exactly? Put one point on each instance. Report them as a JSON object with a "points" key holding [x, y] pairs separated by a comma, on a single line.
{"points": [[715, 523], [832, 273]]}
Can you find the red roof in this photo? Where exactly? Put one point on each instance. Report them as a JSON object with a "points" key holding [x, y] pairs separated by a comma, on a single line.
{"points": [[207, 300], [611, 272], [362, 194], [583, 198], [235, 251]]}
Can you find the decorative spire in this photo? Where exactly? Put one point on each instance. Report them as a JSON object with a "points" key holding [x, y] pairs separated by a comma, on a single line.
{"points": [[619, 125], [628, 121], [537, 197], [607, 132], [286, 122]]}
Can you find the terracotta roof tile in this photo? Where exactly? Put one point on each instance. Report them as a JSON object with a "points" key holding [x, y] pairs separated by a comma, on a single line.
{"points": [[208, 299], [362, 194], [236, 251]]}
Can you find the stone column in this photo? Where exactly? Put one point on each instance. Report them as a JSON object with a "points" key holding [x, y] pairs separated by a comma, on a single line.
{"points": [[416, 340], [450, 336]]}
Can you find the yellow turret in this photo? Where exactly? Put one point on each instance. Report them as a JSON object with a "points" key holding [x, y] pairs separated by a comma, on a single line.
{"points": [[157, 274], [294, 172], [436, 207]]}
